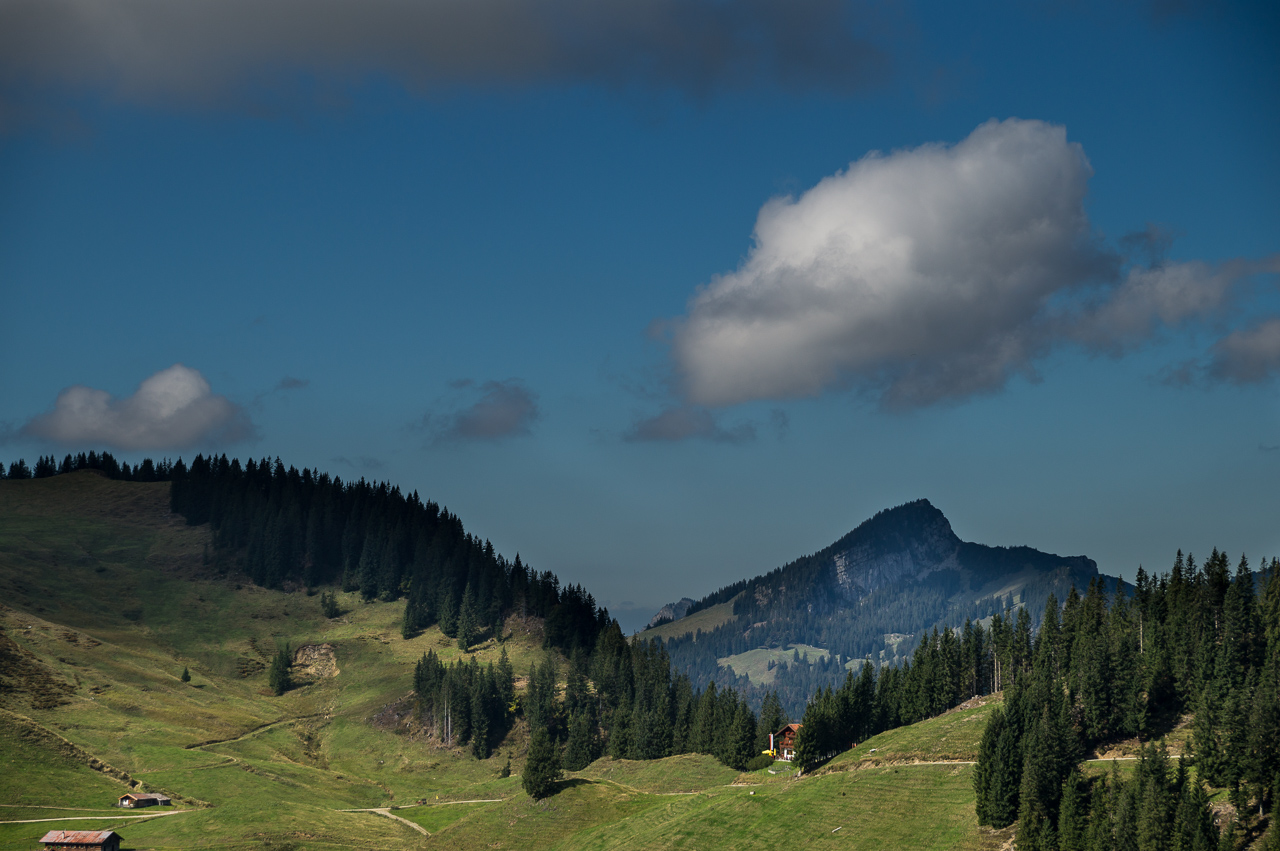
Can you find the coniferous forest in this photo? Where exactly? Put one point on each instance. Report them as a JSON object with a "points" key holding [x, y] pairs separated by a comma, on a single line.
{"points": [[1196, 640], [284, 527]]}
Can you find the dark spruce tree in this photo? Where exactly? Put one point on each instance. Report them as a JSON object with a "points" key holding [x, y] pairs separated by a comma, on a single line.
{"points": [[583, 747], [541, 767], [280, 675], [467, 621], [329, 605], [1073, 814], [772, 719]]}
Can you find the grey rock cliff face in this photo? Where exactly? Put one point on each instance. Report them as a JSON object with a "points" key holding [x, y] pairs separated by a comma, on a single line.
{"points": [[870, 564], [913, 542], [905, 544], [672, 611]]}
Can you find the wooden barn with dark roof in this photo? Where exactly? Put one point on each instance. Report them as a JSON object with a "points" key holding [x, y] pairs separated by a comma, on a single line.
{"points": [[82, 840], [144, 799]]}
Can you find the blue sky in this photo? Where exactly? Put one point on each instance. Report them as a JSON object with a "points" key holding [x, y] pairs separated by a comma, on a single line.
{"points": [[663, 294]]}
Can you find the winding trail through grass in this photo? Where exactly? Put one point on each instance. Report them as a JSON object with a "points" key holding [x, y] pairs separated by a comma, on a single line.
{"points": [[94, 818], [386, 811], [259, 729], [51, 807], [230, 760]]}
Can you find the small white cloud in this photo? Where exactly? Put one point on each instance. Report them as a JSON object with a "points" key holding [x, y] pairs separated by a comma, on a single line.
{"points": [[1248, 356], [685, 422], [932, 274], [1147, 298], [504, 409], [173, 409]]}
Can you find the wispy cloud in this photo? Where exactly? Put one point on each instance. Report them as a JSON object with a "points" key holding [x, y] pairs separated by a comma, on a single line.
{"points": [[173, 409], [504, 409], [685, 422], [781, 423], [284, 385], [363, 462], [934, 274], [209, 50], [1249, 355]]}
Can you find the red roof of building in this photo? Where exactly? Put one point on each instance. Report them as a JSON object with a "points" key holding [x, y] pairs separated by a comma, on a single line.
{"points": [[77, 837]]}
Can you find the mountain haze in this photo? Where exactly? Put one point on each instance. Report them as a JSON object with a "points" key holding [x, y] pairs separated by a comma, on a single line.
{"points": [[915, 542], [870, 595]]}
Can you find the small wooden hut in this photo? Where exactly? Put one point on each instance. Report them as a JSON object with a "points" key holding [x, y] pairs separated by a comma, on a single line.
{"points": [[784, 741]]}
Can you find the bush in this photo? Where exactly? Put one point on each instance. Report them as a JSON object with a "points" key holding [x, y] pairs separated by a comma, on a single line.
{"points": [[758, 762]]}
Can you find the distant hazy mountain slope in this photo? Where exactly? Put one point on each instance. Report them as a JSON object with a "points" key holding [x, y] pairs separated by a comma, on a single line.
{"points": [[871, 595], [899, 547], [671, 612]]}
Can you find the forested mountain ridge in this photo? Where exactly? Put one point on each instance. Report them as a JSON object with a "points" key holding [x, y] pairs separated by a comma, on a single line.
{"points": [[913, 542], [292, 531], [870, 595], [281, 528]]}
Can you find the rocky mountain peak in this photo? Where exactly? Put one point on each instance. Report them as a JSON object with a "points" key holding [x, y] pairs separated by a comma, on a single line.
{"points": [[908, 542], [671, 612]]}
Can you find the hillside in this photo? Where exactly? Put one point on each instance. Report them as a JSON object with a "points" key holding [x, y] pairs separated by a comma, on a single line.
{"points": [[108, 603], [871, 595], [109, 600]]}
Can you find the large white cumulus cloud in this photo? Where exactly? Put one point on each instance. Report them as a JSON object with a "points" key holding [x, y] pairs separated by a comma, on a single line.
{"points": [[173, 409], [926, 275]]}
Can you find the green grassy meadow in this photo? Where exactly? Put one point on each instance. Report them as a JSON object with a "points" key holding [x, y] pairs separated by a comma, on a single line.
{"points": [[107, 597], [706, 620], [760, 665], [953, 736]]}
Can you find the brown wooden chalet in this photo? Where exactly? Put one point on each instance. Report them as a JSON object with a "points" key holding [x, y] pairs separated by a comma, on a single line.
{"points": [[784, 741], [89, 840], [144, 799]]}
